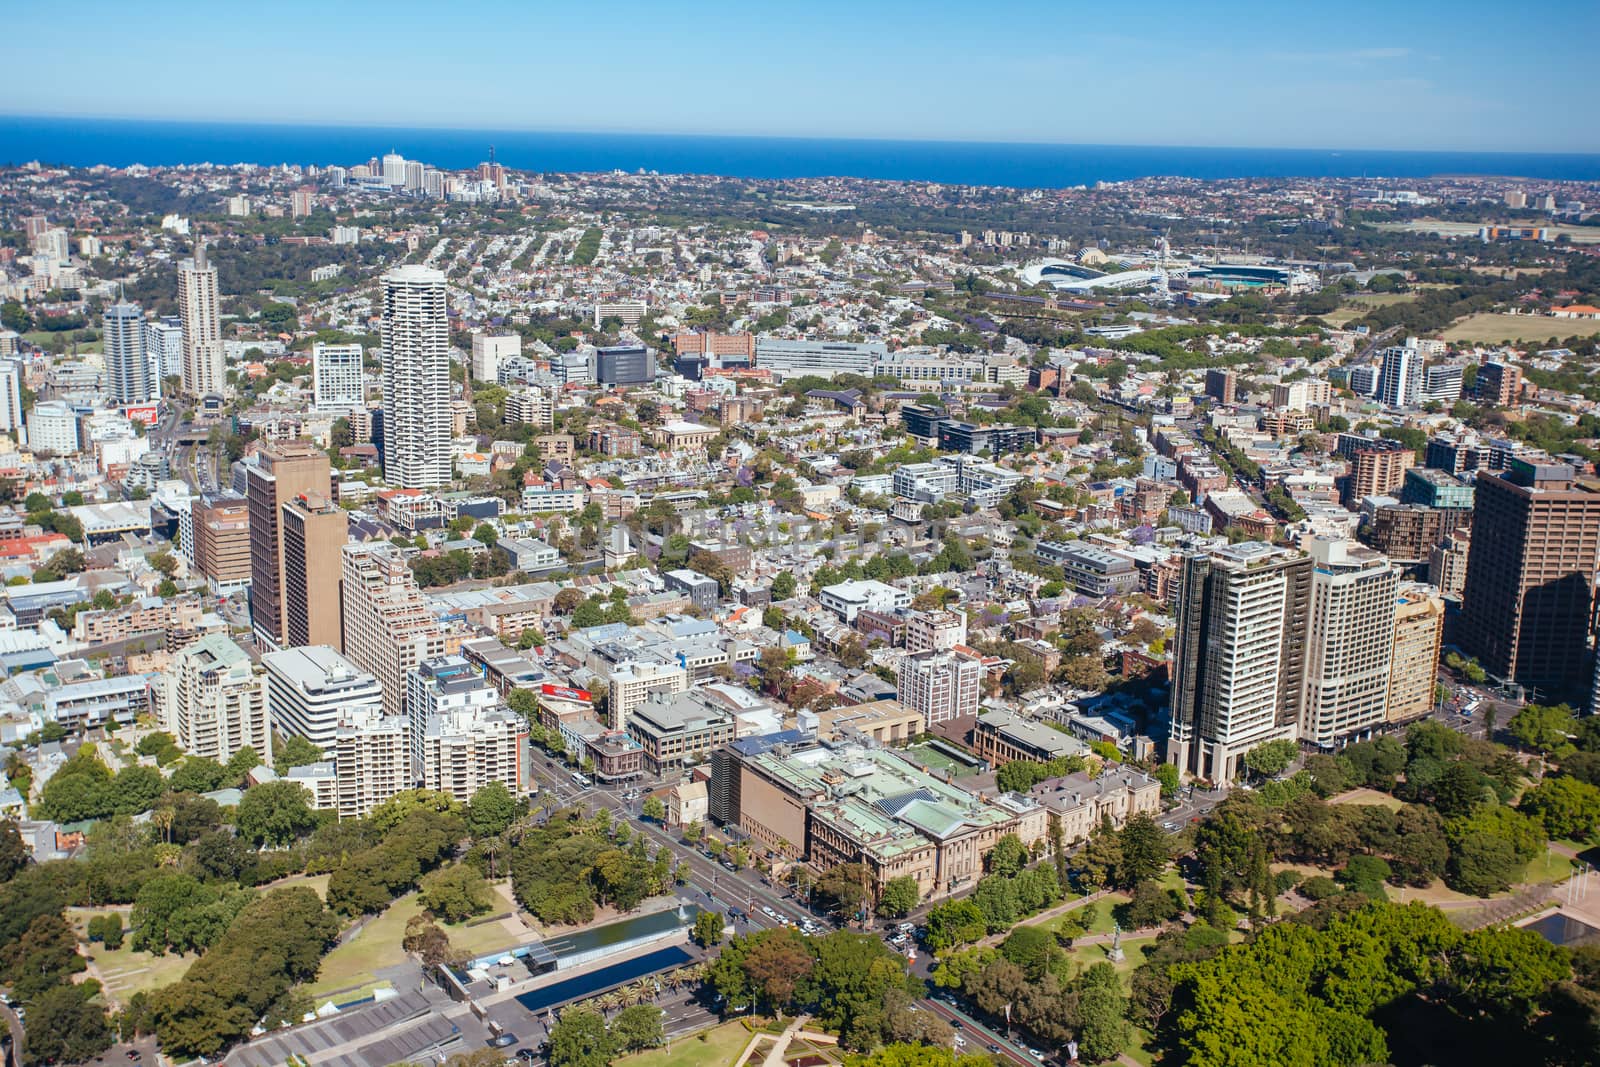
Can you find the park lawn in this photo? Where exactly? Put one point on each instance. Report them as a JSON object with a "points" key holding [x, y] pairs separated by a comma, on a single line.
{"points": [[1133, 954], [1491, 328], [1141, 1051], [1553, 866], [378, 946], [716, 1047], [1369, 796], [126, 972], [319, 882]]}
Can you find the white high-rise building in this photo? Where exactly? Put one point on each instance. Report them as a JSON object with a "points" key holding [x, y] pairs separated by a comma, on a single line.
{"points": [[52, 427], [11, 398], [163, 342], [465, 749], [201, 314], [1349, 639], [371, 759], [213, 703], [1400, 377], [311, 689], [441, 686], [489, 351], [336, 377], [394, 169], [416, 379], [128, 368], [941, 685]]}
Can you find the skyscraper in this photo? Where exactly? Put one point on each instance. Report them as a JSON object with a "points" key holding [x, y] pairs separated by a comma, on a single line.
{"points": [[1530, 573], [314, 530], [1349, 639], [163, 341], [1400, 377], [200, 313], [129, 372], [1238, 667], [1418, 631], [337, 382], [439, 687], [11, 397], [286, 470], [388, 628], [213, 703], [416, 378]]}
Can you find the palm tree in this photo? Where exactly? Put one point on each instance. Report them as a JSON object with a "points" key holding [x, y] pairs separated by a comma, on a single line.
{"points": [[162, 819]]}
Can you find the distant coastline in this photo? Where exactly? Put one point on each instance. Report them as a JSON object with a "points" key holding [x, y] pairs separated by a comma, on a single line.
{"points": [[119, 143]]}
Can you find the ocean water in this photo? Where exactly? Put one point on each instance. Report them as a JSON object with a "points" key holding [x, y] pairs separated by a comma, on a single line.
{"points": [[86, 142]]}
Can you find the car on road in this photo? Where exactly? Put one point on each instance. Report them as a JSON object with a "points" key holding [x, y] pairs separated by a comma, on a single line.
{"points": [[527, 1055], [995, 1049], [957, 1024], [1036, 1054]]}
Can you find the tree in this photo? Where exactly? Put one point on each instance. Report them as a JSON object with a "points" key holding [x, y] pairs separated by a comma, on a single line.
{"points": [[636, 1027], [13, 851], [1171, 779], [844, 888], [567, 600], [486, 534], [776, 965], [580, 1039], [1008, 856], [900, 895], [1152, 905], [242, 763], [952, 923], [1567, 807], [65, 1026], [783, 586], [274, 943], [654, 809], [1103, 1030], [708, 927], [197, 774], [1541, 728], [1489, 849], [1144, 851], [455, 893], [106, 929], [275, 813], [430, 942], [491, 811], [1272, 758], [295, 752], [45, 955]]}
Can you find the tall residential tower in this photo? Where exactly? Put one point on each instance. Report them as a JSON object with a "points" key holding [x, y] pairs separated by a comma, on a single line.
{"points": [[416, 379], [130, 374], [1238, 670], [200, 313]]}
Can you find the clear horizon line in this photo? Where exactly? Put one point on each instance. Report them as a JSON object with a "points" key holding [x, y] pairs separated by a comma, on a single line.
{"points": [[860, 138]]}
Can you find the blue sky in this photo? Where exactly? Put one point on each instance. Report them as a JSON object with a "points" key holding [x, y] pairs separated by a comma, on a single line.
{"points": [[1406, 74]]}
